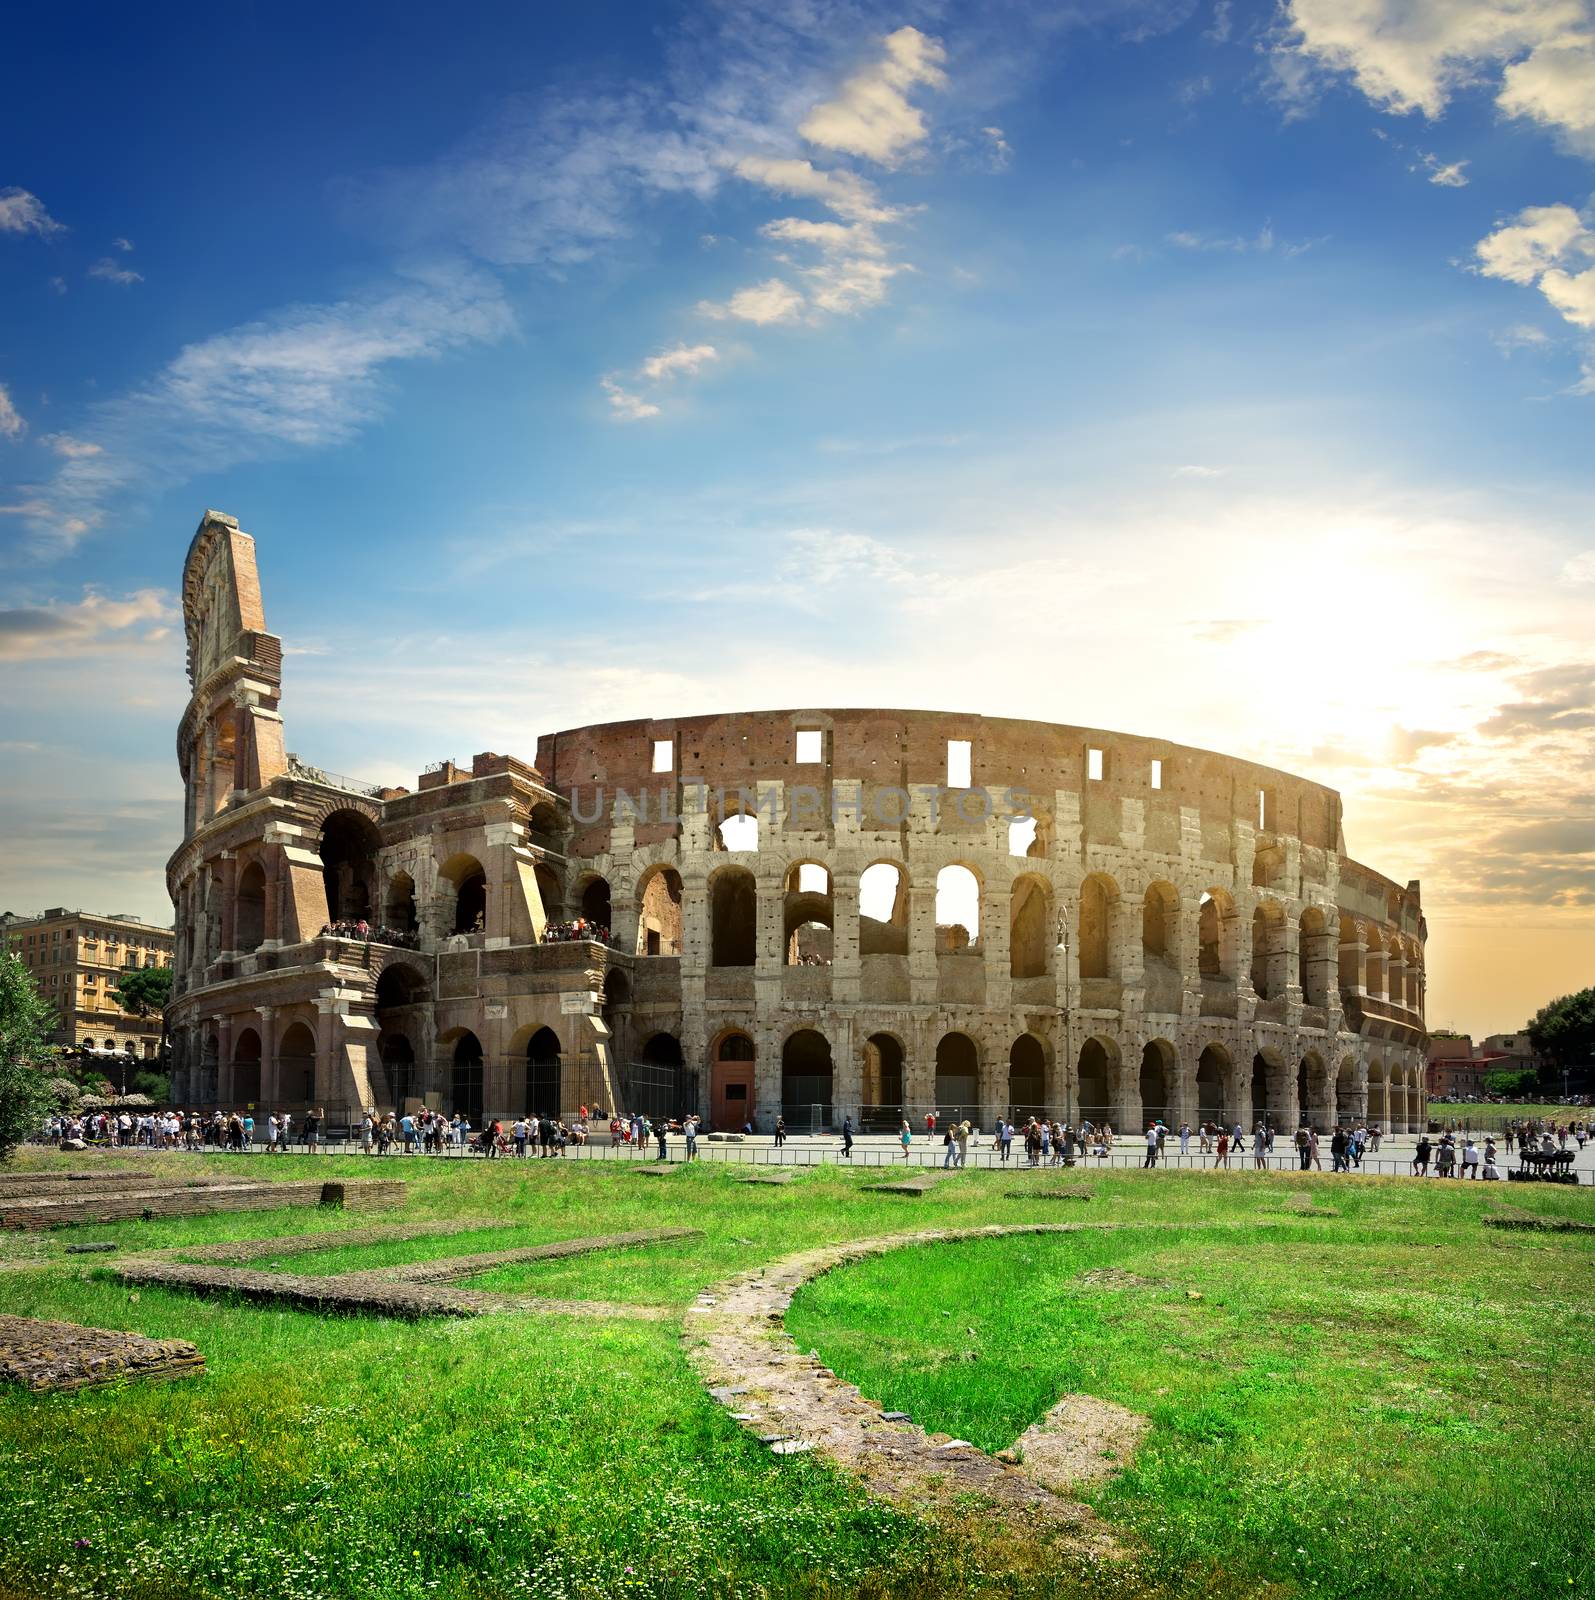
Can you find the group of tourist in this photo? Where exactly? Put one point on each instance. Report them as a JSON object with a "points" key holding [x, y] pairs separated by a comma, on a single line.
{"points": [[380, 933], [576, 932], [178, 1130]]}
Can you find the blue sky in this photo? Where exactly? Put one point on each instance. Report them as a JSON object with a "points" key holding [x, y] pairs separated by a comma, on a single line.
{"points": [[1215, 371]]}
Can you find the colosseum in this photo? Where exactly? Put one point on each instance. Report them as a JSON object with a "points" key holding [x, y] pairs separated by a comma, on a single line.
{"points": [[813, 913]]}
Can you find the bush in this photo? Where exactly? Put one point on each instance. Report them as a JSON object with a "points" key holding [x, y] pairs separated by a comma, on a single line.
{"points": [[110, 1102], [65, 1093], [157, 1085], [1512, 1083]]}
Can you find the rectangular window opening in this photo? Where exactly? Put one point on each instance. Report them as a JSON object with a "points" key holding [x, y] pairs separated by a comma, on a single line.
{"points": [[664, 755], [1094, 762], [960, 765], [810, 746], [1157, 774]]}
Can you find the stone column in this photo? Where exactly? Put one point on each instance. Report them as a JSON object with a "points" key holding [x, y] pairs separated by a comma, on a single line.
{"points": [[268, 1056], [224, 1060], [922, 961], [326, 1025], [846, 970]]}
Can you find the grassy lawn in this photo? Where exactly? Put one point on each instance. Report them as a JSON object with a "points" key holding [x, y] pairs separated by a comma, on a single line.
{"points": [[1392, 1401], [1443, 1111]]}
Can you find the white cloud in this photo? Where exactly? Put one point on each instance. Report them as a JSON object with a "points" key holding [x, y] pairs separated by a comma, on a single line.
{"points": [[1448, 174], [774, 300], [58, 284], [121, 244], [859, 239], [1195, 470], [624, 405], [871, 116], [844, 193], [1549, 246], [106, 268], [65, 445], [1581, 569], [12, 425], [841, 287], [91, 625], [1414, 55], [307, 377], [1001, 150], [21, 212], [680, 359]]}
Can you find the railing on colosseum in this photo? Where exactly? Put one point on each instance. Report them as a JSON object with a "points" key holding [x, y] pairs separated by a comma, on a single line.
{"points": [[546, 842], [305, 773]]}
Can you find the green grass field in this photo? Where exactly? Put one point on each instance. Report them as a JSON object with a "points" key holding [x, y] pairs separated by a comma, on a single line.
{"points": [[1391, 1401]]}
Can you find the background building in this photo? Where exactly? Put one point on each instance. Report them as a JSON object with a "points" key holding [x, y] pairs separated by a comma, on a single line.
{"points": [[75, 958]]}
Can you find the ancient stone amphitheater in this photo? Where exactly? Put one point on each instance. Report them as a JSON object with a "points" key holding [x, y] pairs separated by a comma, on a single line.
{"points": [[809, 912]]}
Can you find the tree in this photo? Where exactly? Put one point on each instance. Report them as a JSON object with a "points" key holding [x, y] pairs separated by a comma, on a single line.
{"points": [[1512, 1083], [25, 1056], [1564, 1031], [143, 991]]}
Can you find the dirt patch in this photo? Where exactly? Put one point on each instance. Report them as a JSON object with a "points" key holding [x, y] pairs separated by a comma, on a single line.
{"points": [[48, 1356], [1081, 1441], [662, 1169], [1306, 1205], [1049, 1194], [916, 1185], [1118, 1278], [778, 1177], [1511, 1217]]}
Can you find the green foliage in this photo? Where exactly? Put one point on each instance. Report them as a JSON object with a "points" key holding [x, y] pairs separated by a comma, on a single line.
{"points": [[157, 1085], [25, 1056], [1564, 1031], [66, 1093], [144, 991], [1512, 1081]]}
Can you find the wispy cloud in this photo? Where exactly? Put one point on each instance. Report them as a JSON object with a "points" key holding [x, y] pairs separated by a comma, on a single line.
{"points": [[73, 449], [107, 269], [680, 360], [1263, 242], [774, 300], [871, 115], [12, 424], [1552, 248], [95, 624], [21, 212], [624, 405], [1448, 174]]}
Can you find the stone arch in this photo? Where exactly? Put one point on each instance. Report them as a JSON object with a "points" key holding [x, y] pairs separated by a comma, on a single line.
{"points": [[733, 918], [659, 912], [349, 842], [1373, 980], [1312, 967], [595, 902], [464, 1055], [1098, 946], [246, 1067], [1097, 1075], [808, 915], [957, 1091], [543, 1081], [296, 1065], [1215, 1085], [1270, 1089], [1312, 1091], [1029, 1061], [1348, 1091], [882, 1079], [1158, 1080], [249, 915], [400, 983], [1160, 924], [464, 875], [958, 896], [807, 1079], [1396, 1101], [732, 1056], [398, 904], [883, 886], [1376, 1108], [1216, 935], [1269, 975], [1030, 927]]}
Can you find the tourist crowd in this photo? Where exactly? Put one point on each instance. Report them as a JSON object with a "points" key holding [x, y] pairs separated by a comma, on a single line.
{"points": [[575, 932], [371, 933]]}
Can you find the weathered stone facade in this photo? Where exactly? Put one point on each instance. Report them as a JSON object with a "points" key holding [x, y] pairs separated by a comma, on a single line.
{"points": [[1171, 931]]}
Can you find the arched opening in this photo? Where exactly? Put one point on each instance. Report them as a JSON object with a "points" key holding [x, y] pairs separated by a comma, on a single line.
{"points": [[1378, 1111], [1268, 951], [549, 892], [808, 916], [1374, 965], [595, 904], [465, 876], [733, 918], [1022, 837], [544, 828], [542, 1074], [296, 1065], [349, 845], [1216, 935], [1262, 1107], [250, 919], [882, 910], [659, 913], [1311, 958], [1157, 1080], [398, 909], [1095, 1077], [246, 1068], [1396, 1102], [1347, 1098], [957, 909], [663, 1050], [398, 1064], [1213, 1068], [1268, 867], [465, 1077], [399, 985], [1306, 1106], [1027, 1078], [731, 1081], [1160, 924], [1097, 898], [739, 832], [957, 1078], [1030, 928], [806, 1081], [882, 1078]]}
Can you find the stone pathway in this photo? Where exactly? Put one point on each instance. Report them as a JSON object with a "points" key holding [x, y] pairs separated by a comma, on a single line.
{"points": [[48, 1356]]}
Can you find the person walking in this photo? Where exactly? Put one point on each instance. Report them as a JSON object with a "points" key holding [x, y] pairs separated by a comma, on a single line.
{"points": [[1337, 1151], [1004, 1138], [1185, 1138], [930, 1124], [847, 1138], [905, 1137], [780, 1132], [1303, 1153], [1420, 1156], [949, 1149], [1470, 1160], [690, 1128], [1151, 1147], [660, 1128], [1221, 1155], [961, 1139]]}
